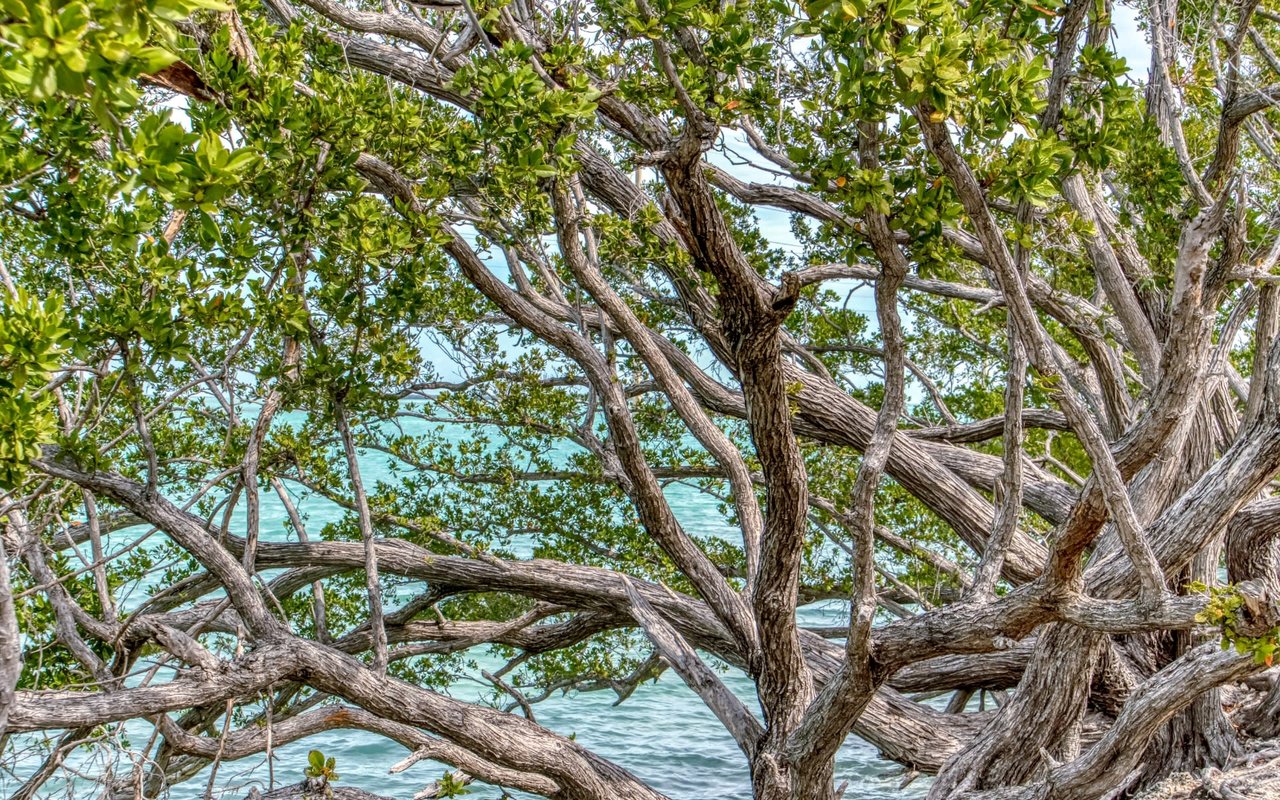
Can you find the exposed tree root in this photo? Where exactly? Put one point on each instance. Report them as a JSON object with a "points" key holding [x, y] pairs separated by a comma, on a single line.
{"points": [[309, 790], [1253, 776]]}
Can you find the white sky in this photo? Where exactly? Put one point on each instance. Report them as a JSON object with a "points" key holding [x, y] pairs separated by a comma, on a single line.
{"points": [[1129, 41]]}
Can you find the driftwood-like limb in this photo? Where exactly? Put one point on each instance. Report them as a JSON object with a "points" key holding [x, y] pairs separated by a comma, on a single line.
{"points": [[248, 742], [189, 532], [246, 676], [744, 727], [10, 647], [373, 588], [684, 401], [830, 715], [753, 312]]}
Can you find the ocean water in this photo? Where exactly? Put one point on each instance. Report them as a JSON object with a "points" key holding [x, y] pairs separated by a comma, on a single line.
{"points": [[662, 732]]}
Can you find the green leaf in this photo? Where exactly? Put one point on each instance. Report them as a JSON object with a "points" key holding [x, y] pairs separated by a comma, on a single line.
{"points": [[151, 60]]}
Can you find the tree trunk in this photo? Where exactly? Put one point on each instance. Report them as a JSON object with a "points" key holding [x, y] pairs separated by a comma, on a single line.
{"points": [[1263, 720], [1041, 724], [774, 777]]}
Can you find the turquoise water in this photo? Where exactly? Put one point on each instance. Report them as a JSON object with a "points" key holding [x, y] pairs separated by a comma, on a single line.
{"points": [[662, 733]]}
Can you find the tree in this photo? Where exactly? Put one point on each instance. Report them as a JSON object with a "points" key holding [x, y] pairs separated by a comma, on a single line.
{"points": [[233, 237]]}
